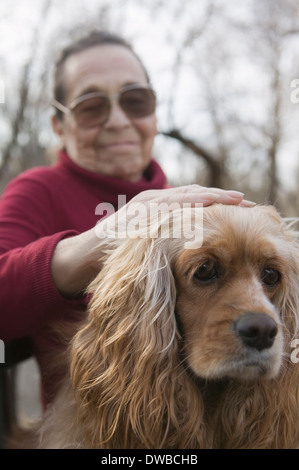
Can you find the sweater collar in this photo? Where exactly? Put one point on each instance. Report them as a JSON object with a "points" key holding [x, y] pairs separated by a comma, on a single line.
{"points": [[110, 188]]}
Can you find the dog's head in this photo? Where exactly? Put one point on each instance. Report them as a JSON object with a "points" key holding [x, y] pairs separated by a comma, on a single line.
{"points": [[162, 307], [231, 293]]}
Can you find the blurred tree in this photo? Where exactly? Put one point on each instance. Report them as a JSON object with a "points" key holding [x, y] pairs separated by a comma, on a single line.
{"points": [[17, 121], [248, 121], [223, 74]]}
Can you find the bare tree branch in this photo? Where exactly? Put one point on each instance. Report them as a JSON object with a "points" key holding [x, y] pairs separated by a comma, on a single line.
{"points": [[24, 91], [216, 169]]}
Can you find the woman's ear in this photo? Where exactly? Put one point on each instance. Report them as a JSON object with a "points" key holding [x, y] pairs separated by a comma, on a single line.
{"points": [[57, 126]]}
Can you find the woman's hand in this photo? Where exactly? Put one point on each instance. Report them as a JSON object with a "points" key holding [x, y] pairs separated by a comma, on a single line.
{"points": [[193, 194], [143, 207], [74, 264]]}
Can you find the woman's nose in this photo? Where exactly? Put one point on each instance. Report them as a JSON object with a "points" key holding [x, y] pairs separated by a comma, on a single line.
{"points": [[116, 117]]}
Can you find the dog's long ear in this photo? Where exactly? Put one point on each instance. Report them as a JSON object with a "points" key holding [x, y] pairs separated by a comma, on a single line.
{"points": [[125, 363], [288, 396], [288, 302]]}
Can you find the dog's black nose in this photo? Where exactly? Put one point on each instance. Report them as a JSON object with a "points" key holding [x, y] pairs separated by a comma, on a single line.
{"points": [[256, 330]]}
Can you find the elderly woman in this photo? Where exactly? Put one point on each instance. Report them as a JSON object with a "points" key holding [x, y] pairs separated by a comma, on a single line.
{"points": [[106, 123]]}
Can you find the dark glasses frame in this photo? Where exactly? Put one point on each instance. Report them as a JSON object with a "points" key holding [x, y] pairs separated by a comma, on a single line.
{"points": [[70, 110]]}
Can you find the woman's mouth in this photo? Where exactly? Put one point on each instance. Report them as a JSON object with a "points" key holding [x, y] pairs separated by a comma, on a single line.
{"points": [[119, 146]]}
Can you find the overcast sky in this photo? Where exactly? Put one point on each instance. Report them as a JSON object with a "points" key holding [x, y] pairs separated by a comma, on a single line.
{"points": [[152, 32]]}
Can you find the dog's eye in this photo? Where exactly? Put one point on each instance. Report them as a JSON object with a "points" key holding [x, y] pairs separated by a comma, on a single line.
{"points": [[206, 272], [270, 277]]}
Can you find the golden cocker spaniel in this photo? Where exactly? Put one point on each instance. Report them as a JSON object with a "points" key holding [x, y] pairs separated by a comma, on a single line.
{"points": [[188, 348]]}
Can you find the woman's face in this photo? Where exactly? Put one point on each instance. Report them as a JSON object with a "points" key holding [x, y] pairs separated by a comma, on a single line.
{"points": [[122, 146]]}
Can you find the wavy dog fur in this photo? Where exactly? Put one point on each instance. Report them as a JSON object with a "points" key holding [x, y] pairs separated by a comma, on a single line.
{"points": [[161, 361]]}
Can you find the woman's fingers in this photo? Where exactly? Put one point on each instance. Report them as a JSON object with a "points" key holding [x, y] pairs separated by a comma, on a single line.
{"points": [[147, 204], [245, 203], [193, 194]]}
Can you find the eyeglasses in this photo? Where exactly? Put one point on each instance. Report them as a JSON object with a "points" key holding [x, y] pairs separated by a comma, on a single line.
{"points": [[93, 109]]}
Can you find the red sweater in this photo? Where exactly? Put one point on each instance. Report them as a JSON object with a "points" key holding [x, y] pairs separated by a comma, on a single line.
{"points": [[38, 209]]}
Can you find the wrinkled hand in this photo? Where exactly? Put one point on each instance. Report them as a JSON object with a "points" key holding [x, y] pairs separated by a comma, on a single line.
{"points": [[193, 194], [77, 260], [139, 208]]}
